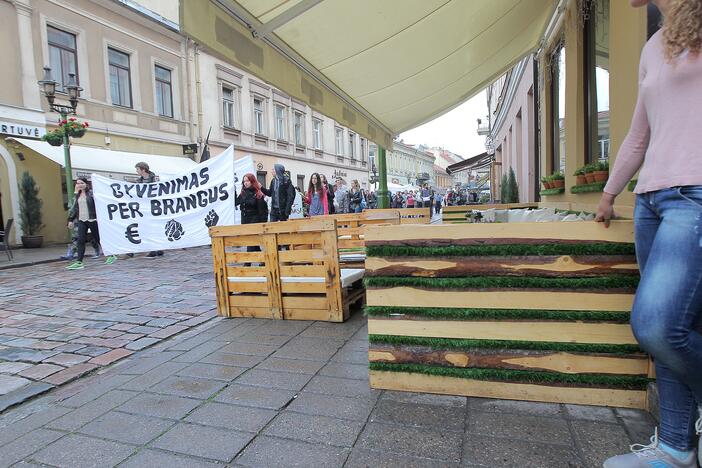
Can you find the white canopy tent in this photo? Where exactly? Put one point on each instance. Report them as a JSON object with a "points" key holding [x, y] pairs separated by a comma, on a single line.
{"points": [[377, 67]]}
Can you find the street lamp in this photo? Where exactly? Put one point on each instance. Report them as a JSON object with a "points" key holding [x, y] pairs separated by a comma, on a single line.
{"points": [[48, 86]]}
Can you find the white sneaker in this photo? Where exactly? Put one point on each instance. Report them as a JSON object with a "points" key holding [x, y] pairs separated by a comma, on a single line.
{"points": [[650, 456]]}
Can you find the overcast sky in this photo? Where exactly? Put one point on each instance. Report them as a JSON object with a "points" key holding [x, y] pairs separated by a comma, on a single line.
{"points": [[456, 130]]}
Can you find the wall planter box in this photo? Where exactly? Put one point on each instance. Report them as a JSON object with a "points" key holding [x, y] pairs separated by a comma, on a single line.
{"points": [[523, 311], [588, 188]]}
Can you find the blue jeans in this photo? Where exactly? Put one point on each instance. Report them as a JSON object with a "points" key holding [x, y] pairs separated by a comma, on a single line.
{"points": [[667, 311]]}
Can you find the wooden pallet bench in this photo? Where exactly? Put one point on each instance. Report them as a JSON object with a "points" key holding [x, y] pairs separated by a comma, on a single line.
{"points": [[522, 311], [410, 215], [294, 276], [350, 227], [457, 214]]}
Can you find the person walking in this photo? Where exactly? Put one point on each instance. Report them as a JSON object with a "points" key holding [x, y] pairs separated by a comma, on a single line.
{"points": [[342, 197], [664, 141], [82, 216], [317, 196], [147, 177], [330, 194], [357, 197], [410, 199], [251, 201], [438, 199], [282, 194]]}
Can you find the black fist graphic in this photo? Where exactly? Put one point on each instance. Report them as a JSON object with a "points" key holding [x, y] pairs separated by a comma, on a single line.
{"points": [[174, 230], [211, 219]]}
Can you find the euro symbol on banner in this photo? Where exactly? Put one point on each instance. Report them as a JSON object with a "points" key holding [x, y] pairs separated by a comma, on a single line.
{"points": [[132, 234]]}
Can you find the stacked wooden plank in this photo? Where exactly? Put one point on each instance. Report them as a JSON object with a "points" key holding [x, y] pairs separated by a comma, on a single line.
{"points": [[410, 215], [457, 214], [287, 270], [350, 228], [525, 311]]}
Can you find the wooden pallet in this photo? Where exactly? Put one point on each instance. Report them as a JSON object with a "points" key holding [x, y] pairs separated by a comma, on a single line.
{"points": [[457, 214], [559, 332]]}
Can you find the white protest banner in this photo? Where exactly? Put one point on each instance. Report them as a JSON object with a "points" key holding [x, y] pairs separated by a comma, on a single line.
{"points": [[242, 166], [168, 214], [296, 211]]}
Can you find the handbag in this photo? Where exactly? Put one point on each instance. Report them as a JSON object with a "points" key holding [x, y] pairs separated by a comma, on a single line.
{"points": [[364, 203]]}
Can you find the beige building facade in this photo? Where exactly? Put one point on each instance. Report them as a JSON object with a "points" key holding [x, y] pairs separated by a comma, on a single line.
{"points": [[407, 164]]}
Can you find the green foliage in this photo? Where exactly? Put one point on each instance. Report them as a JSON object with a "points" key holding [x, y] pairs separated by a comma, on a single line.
{"points": [[557, 176], [503, 250], [465, 345], [588, 188], [588, 168], [629, 382], [504, 282], [499, 314], [512, 188], [504, 188], [632, 185], [602, 166], [30, 205], [579, 171]]}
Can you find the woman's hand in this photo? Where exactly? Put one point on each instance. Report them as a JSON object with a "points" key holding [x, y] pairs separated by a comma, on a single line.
{"points": [[605, 209]]}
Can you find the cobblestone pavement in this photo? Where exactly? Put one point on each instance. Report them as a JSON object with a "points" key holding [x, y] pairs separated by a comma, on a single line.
{"points": [[56, 325], [247, 392]]}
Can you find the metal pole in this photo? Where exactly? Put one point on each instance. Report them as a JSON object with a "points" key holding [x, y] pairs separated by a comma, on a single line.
{"points": [[383, 201], [67, 163]]}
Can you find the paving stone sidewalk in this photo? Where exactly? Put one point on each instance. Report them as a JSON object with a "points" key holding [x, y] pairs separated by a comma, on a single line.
{"points": [[56, 325], [247, 392]]}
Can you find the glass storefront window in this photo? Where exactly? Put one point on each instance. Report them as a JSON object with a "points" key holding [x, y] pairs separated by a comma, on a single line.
{"points": [[596, 38], [558, 110]]}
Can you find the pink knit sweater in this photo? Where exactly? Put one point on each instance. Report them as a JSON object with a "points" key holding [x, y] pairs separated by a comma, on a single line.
{"points": [[666, 131]]}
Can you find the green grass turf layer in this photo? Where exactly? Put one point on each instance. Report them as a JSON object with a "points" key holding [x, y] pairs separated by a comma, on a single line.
{"points": [[628, 382], [459, 344], [587, 188], [501, 250], [500, 314], [504, 282]]}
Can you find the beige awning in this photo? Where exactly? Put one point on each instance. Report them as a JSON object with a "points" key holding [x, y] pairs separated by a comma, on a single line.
{"points": [[379, 67]]}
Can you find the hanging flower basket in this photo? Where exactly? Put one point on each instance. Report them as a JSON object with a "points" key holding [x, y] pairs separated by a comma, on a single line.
{"points": [[73, 127], [54, 137]]}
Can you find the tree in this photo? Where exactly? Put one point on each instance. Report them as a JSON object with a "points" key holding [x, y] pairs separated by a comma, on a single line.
{"points": [[30, 205], [513, 194], [504, 188]]}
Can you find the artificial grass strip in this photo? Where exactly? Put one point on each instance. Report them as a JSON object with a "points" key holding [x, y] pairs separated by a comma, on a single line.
{"points": [[501, 250], [504, 282], [631, 186], [552, 191], [500, 314], [587, 188], [463, 344], [628, 382]]}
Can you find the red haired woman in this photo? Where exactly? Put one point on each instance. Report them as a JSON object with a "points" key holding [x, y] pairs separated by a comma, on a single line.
{"points": [[317, 197], [251, 200]]}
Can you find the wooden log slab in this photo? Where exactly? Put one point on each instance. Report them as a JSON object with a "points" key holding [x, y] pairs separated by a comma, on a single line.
{"points": [[408, 382]]}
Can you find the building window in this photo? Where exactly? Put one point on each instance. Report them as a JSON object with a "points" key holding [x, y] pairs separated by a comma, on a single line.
{"points": [[259, 115], [317, 133], [339, 141], [558, 64], [352, 145], [62, 56], [364, 149], [596, 39], [120, 84], [164, 92], [228, 107], [279, 122], [299, 129]]}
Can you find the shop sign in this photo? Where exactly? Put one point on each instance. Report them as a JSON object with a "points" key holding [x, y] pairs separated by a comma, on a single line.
{"points": [[340, 173], [190, 148], [21, 130]]}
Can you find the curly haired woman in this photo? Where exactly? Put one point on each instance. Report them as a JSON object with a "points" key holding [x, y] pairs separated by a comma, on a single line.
{"points": [[665, 142]]}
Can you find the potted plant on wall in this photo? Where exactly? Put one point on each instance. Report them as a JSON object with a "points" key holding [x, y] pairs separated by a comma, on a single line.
{"points": [[589, 173], [54, 137], [557, 180], [601, 171], [30, 212], [580, 176], [546, 180]]}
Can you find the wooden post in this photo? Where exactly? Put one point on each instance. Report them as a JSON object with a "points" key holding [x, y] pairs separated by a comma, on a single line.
{"points": [[275, 297], [220, 271]]}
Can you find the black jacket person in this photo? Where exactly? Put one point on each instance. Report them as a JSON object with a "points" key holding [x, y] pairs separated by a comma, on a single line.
{"points": [[282, 194]]}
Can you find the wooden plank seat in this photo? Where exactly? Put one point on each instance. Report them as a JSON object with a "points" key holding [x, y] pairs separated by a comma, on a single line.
{"points": [[350, 228], [409, 215], [523, 311], [286, 270]]}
